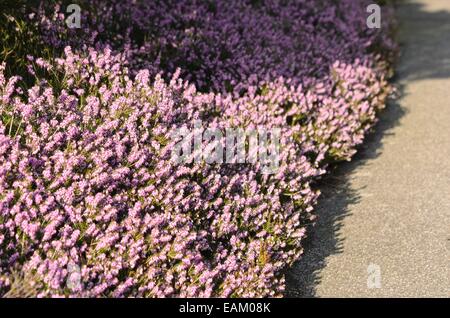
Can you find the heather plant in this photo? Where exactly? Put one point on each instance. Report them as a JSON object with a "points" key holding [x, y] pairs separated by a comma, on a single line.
{"points": [[86, 176], [95, 160], [225, 48]]}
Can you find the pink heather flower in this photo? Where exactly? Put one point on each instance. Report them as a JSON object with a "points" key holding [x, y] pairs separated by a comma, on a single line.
{"points": [[88, 176]]}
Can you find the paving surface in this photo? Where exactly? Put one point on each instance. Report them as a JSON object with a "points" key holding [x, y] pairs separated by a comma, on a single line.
{"points": [[384, 227]]}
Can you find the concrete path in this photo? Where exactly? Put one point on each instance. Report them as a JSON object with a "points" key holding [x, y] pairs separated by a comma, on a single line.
{"points": [[384, 228]]}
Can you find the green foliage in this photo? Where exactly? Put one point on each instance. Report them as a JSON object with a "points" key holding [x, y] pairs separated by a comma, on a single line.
{"points": [[19, 38]]}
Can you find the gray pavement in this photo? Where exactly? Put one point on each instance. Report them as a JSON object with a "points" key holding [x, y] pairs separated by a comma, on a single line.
{"points": [[384, 218]]}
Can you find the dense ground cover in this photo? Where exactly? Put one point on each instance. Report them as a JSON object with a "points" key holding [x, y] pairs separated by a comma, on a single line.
{"points": [[86, 179]]}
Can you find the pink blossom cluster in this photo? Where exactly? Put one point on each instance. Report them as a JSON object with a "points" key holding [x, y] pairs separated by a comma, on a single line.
{"points": [[86, 176]]}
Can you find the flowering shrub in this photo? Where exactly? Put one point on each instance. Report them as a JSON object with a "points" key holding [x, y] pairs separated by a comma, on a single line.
{"points": [[85, 170]]}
